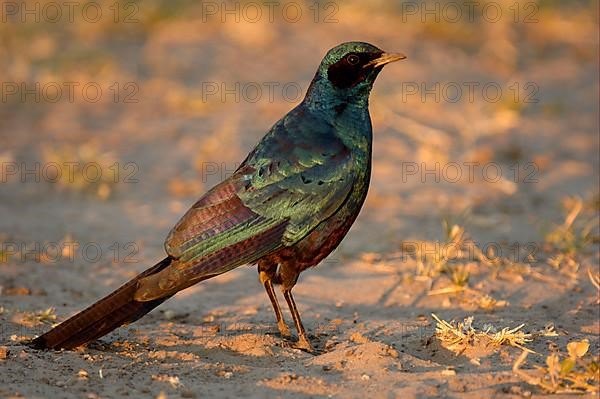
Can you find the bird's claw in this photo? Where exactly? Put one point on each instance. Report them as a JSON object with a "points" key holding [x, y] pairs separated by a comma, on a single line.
{"points": [[305, 345], [284, 330]]}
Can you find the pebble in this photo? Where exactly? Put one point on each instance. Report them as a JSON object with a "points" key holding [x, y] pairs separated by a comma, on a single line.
{"points": [[3, 352]]}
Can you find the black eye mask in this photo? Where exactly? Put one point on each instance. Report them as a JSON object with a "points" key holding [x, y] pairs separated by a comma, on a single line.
{"points": [[351, 70]]}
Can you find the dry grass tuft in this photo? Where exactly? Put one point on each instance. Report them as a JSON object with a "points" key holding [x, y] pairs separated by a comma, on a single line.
{"points": [[576, 372], [47, 316], [453, 259], [595, 280], [459, 336], [574, 234]]}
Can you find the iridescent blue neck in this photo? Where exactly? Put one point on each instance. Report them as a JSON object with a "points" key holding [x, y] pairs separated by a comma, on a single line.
{"points": [[323, 97]]}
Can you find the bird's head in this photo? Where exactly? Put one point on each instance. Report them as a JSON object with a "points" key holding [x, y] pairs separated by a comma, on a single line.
{"points": [[348, 71]]}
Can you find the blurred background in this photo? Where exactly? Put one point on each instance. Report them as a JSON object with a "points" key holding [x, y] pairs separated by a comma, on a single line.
{"points": [[116, 116]]}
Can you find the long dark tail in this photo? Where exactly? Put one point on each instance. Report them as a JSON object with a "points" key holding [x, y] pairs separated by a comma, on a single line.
{"points": [[102, 317]]}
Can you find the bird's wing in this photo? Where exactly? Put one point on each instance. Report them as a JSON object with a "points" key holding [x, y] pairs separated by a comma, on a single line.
{"points": [[300, 176], [218, 220], [283, 190], [217, 234]]}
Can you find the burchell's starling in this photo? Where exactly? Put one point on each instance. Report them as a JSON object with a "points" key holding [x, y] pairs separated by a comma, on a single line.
{"points": [[288, 205]]}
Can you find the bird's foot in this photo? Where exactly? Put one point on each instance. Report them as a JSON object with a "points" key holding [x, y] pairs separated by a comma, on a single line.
{"points": [[284, 330], [304, 344]]}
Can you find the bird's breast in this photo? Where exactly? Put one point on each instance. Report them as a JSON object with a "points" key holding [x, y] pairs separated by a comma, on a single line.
{"points": [[328, 234]]}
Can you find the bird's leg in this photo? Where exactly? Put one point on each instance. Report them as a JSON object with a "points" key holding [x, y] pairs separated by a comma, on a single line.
{"points": [[303, 342], [288, 276], [284, 330], [266, 275]]}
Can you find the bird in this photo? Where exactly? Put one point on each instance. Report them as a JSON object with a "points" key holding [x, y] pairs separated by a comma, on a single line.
{"points": [[287, 206]]}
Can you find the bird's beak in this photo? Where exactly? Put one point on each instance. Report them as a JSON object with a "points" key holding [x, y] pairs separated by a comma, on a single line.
{"points": [[384, 59]]}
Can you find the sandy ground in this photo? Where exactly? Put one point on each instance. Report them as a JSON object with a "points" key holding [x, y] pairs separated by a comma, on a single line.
{"points": [[369, 306]]}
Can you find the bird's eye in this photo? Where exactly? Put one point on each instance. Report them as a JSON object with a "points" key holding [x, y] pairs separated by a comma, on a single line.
{"points": [[352, 59]]}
